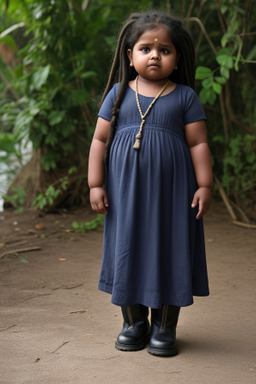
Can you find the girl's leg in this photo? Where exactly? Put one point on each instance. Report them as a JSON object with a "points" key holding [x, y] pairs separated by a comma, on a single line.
{"points": [[135, 333], [163, 331]]}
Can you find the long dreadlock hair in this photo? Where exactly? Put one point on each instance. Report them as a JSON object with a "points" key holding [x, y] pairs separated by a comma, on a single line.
{"points": [[133, 28]]}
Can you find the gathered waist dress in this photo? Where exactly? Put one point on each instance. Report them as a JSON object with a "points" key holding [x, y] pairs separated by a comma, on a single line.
{"points": [[153, 246]]}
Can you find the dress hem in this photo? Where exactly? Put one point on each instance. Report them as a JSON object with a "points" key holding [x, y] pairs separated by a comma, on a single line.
{"points": [[142, 298]]}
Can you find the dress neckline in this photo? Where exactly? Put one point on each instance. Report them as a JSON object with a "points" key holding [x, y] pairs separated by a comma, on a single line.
{"points": [[152, 97]]}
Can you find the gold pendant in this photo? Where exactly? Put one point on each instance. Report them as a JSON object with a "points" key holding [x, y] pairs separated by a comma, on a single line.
{"points": [[137, 144]]}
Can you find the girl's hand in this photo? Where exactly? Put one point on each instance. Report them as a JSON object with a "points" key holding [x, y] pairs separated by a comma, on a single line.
{"points": [[99, 200], [202, 197]]}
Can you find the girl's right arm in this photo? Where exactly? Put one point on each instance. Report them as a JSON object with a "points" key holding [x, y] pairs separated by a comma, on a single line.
{"points": [[98, 195]]}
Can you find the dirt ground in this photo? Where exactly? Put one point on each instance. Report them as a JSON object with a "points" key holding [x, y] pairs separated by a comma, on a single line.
{"points": [[56, 327]]}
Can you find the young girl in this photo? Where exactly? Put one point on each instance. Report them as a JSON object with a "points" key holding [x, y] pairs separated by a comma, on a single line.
{"points": [[156, 185]]}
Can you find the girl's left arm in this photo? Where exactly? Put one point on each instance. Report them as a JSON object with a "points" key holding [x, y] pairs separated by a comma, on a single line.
{"points": [[196, 138]]}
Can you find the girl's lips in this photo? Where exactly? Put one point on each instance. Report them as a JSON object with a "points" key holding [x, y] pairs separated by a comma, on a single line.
{"points": [[154, 65]]}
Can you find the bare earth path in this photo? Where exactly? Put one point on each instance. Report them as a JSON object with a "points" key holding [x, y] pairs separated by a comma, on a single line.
{"points": [[56, 327]]}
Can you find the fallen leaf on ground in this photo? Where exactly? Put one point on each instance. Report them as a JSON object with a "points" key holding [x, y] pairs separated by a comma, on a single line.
{"points": [[24, 261], [40, 226]]}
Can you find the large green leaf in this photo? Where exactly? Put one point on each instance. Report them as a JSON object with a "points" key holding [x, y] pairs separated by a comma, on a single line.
{"points": [[217, 88], [203, 72], [225, 60], [55, 117], [40, 77]]}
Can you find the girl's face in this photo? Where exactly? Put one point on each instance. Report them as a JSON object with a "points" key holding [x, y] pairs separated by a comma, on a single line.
{"points": [[154, 56]]}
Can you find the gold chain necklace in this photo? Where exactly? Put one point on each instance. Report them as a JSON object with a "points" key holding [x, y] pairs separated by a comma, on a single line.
{"points": [[143, 116]]}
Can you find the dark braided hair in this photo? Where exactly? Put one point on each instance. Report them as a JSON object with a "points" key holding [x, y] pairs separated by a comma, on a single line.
{"points": [[134, 27]]}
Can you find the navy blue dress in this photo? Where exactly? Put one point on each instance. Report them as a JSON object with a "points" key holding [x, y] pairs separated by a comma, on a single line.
{"points": [[153, 248]]}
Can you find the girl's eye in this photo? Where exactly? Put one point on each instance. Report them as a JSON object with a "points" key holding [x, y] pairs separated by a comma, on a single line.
{"points": [[164, 50], [145, 49]]}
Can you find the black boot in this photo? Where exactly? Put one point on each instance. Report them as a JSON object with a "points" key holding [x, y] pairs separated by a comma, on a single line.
{"points": [[163, 331], [135, 333]]}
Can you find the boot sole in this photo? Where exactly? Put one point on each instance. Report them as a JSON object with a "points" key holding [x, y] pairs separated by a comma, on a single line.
{"points": [[130, 348], [162, 352]]}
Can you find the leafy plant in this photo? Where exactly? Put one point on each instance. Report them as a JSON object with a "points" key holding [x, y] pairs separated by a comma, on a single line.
{"points": [[227, 91], [212, 80], [88, 226], [16, 198], [46, 199], [239, 164]]}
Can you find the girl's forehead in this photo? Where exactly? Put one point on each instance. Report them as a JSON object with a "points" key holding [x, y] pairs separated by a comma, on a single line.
{"points": [[157, 34]]}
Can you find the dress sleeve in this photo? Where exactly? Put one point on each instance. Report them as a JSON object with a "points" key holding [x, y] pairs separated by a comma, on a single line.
{"points": [[106, 108], [193, 109]]}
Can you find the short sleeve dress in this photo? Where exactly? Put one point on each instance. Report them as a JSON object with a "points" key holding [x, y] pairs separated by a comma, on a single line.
{"points": [[153, 246]]}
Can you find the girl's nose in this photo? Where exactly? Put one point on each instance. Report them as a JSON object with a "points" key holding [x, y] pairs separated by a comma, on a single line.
{"points": [[155, 55]]}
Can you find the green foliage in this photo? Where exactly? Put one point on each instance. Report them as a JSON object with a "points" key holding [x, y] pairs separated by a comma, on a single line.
{"points": [[228, 71], [239, 164], [212, 80], [8, 40], [46, 199], [228, 55], [16, 198], [88, 226], [7, 145]]}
